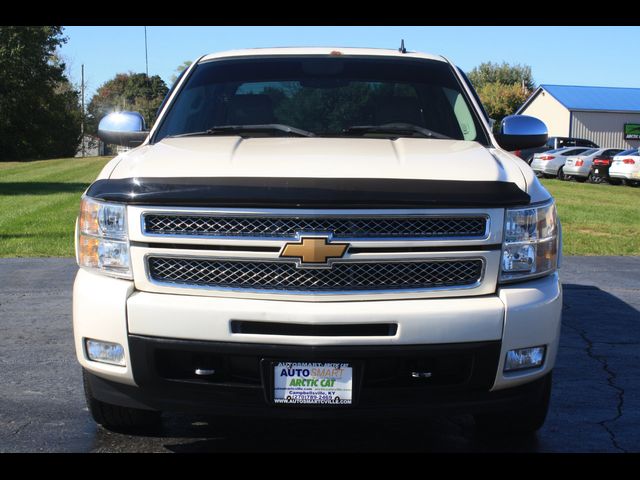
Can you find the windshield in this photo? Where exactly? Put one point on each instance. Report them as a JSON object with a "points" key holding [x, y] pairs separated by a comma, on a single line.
{"points": [[632, 151], [591, 151], [325, 96], [573, 151]]}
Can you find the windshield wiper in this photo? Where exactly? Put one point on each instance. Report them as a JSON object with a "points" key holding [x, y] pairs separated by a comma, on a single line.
{"points": [[245, 129], [395, 128]]}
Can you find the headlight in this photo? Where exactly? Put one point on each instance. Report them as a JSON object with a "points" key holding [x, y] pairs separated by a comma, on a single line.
{"points": [[530, 247], [102, 241]]}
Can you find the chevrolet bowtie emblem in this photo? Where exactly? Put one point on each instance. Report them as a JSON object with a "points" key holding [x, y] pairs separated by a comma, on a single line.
{"points": [[314, 251]]}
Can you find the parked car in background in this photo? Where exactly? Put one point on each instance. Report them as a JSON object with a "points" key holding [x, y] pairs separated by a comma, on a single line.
{"points": [[551, 163], [554, 143], [601, 164], [626, 167], [579, 166]]}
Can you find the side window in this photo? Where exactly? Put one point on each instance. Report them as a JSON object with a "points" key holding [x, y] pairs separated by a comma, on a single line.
{"points": [[462, 114], [474, 93]]}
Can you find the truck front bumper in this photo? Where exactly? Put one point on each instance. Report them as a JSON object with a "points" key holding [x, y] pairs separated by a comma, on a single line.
{"points": [[382, 386], [467, 337]]}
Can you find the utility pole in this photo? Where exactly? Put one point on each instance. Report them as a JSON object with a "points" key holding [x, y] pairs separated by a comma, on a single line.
{"points": [[146, 56], [82, 105]]}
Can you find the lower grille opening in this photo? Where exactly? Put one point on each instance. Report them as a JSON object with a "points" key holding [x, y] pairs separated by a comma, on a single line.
{"points": [[182, 365], [443, 369], [299, 330], [439, 370]]}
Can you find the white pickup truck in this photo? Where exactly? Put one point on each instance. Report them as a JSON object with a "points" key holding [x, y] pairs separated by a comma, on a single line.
{"points": [[318, 232]]}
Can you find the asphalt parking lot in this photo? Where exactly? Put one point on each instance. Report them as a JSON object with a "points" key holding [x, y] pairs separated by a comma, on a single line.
{"points": [[595, 403]]}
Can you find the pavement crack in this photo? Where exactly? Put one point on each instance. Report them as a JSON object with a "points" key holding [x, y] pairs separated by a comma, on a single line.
{"points": [[611, 381], [20, 428]]}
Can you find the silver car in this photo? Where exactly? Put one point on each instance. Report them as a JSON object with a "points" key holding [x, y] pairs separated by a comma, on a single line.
{"points": [[551, 163], [579, 166]]}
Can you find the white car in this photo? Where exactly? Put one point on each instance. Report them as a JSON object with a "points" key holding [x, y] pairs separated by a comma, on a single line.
{"points": [[551, 163], [579, 166], [319, 232], [626, 167]]}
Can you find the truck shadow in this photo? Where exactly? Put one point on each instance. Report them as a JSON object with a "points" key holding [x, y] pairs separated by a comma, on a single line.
{"points": [[581, 400], [439, 434]]}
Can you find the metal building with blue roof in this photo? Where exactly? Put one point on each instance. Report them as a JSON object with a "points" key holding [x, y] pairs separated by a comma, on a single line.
{"points": [[608, 116]]}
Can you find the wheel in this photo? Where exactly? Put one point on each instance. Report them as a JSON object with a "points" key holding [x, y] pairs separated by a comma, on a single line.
{"points": [[117, 418], [525, 420], [594, 179], [561, 175]]}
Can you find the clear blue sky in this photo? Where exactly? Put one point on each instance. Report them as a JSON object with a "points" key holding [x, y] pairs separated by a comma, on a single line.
{"points": [[599, 56]]}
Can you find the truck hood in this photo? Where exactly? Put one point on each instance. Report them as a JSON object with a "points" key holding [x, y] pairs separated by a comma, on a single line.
{"points": [[402, 158]]}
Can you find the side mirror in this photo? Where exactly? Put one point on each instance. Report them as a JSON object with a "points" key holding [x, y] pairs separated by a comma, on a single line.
{"points": [[123, 128], [521, 131]]}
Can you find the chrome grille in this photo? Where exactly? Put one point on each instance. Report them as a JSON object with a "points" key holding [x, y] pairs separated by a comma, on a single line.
{"points": [[342, 227], [347, 276]]}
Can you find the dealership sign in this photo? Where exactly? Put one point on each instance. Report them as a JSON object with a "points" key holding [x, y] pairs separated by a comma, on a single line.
{"points": [[632, 131]]}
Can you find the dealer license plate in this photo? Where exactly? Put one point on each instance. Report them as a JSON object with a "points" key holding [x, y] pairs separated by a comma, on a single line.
{"points": [[596, 171], [313, 383]]}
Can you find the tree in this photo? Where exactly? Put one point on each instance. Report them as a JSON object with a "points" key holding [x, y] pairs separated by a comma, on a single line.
{"points": [[500, 100], [40, 112], [127, 91], [502, 88], [178, 71], [504, 73]]}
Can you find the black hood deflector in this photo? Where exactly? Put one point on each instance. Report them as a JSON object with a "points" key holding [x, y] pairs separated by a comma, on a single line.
{"points": [[294, 192]]}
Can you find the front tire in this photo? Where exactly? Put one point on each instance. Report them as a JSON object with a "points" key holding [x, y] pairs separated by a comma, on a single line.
{"points": [[117, 418], [524, 420]]}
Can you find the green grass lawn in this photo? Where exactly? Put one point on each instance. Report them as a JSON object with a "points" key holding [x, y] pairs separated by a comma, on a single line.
{"points": [[39, 202], [597, 219]]}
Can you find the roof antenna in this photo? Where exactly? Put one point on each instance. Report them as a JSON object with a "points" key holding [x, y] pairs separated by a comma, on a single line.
{"points": [[402, 49]]}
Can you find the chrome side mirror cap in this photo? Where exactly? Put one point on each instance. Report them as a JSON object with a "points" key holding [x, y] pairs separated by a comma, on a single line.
{"points": [[123, 128], [521, 131]]}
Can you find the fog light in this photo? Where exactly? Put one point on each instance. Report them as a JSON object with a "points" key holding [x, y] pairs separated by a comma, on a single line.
{"points": [[523, 358], [105, 352]]}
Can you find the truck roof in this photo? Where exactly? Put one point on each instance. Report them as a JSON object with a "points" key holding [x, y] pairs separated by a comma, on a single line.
{"points": [[381, 52]]}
